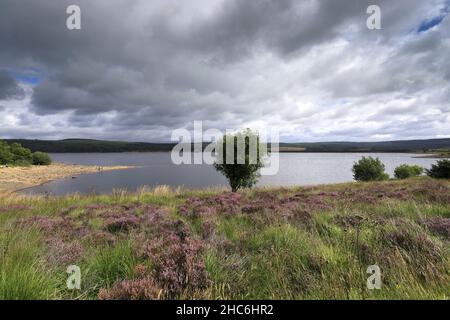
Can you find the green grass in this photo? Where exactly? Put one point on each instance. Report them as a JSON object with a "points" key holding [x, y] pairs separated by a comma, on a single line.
{"points": [[23, 272], [312, 250]]}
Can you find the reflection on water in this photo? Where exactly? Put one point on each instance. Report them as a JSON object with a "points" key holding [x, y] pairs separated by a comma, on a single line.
{"points": [[157, 169]]}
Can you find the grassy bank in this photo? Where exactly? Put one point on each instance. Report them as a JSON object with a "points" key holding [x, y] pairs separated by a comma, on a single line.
{"points": [[297, 243]]}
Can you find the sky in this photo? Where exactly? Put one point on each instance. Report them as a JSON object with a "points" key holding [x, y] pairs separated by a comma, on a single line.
{"points": [[139, 69]]}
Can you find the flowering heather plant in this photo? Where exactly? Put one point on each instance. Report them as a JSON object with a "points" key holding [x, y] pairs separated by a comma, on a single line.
{"points": [[63, 253], [302, 203], [432, 191], [262, 202], [121, 223], [226, 204], [194, 208], [177, 264], [175, 256], [135, 289], [412, 240], [439, 225], [208, 228], [44, 223], [65, 228]]}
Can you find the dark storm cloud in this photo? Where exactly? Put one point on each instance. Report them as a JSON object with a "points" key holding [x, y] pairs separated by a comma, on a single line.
{"points": [[9, 88], [143, 67]]}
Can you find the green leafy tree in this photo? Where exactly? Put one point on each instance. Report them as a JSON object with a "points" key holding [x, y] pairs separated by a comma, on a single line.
{"points": [[245, 159], [440, 170], [406, 171], [369, 169], [20, 154], [41, 159], [6, 157]]}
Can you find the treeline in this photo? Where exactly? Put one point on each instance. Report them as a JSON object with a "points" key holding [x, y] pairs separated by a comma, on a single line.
{"points": [[425, 146], [87, 145], [16, 155]]}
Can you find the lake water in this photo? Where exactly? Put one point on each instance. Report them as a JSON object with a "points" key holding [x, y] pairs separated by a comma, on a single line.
{"points": [[157, 169]]}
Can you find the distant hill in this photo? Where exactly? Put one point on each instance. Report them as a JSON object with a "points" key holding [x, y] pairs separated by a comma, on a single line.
{"points": [[87, 145], [383, 146]]}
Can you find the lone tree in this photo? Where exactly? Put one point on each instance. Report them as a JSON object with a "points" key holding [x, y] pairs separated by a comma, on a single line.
{"points": [[41, 159], [239, 158], [369, 169]]}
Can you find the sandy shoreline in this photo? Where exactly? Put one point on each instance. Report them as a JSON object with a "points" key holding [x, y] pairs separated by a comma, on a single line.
{"points": [[18, 178]]}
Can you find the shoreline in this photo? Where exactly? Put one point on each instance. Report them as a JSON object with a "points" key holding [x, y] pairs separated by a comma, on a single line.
{"points": [[434, 156], [15, 179]]}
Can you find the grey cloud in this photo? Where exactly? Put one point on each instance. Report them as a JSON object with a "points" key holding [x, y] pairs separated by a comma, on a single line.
{"points": [[139, 67], [9, 88]]}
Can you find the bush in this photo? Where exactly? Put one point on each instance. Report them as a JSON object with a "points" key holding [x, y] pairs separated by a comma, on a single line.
{"points": [[440, 170], [41, 159], [21, 163], [369, 169], [243, 171], [406, 171]]}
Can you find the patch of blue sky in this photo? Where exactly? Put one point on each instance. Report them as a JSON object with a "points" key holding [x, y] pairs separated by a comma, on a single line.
{"points": [[435, 21], [32, 80], [30, 77]]}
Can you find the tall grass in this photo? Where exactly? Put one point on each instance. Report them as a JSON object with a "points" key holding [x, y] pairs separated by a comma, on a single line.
{"points": [[24, 274]]}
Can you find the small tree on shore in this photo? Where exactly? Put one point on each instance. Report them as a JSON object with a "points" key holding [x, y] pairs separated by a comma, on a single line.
{"points": [[440, 170], [406, 171], [41, 159], [239, 159], [369, 169]]}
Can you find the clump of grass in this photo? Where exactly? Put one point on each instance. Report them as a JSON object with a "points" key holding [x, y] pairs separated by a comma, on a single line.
{"points": [[109, 264], [24, 273]]}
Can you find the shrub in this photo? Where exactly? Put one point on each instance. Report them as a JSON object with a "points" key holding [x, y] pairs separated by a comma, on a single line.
{"points": [[41, 158], [243, 171], [369, 169], [440, 170], [406, 171], [21, 163]]}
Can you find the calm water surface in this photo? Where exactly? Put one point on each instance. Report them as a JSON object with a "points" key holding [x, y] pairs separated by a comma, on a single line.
{"points": [[157, 169]]}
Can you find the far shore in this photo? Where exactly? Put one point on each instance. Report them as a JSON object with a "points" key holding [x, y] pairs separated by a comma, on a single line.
{"points": [[14, 179], [434, 156]]}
